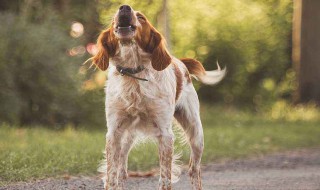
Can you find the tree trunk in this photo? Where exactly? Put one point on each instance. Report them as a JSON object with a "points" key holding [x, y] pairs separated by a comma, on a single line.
{"points": [[306, 50], [163, 22]]}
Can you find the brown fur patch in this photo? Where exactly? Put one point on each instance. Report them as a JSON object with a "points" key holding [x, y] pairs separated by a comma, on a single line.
{"points": [[151, 41], [188, 77], [107, 45], [194, 66], [178, 74]]}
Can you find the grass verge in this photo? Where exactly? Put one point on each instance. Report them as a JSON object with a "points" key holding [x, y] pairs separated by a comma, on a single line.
{"points": [[33, 153]]}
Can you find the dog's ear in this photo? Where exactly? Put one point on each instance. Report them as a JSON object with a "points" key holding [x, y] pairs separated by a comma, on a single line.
{"points": [[160, 56], [107, 45], [151, 41]]}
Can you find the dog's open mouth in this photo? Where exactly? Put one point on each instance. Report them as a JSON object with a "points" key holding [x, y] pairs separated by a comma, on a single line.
{"points": [[125, 31], [125, 23], [125, 28]]}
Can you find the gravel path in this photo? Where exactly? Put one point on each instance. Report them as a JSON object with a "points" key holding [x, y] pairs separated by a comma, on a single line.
{"points": [[292, 170]]}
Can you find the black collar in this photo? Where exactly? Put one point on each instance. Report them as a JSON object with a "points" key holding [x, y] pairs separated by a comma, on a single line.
{"points": [[131, 71]]}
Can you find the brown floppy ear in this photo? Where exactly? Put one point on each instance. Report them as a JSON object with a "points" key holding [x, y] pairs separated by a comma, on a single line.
{"points": [[160, 58], [151, 41], [107, 45]]}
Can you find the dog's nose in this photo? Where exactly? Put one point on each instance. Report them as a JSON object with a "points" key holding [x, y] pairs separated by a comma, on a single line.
{"points": [[125, 8], [124, 16]]}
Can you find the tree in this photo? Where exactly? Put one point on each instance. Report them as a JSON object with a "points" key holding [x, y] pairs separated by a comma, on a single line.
{"points": [[306, 50], [163, 22], [40, 82]]}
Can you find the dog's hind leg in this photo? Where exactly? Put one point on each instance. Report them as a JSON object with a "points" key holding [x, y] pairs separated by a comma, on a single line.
{"points": [[187, 114]]}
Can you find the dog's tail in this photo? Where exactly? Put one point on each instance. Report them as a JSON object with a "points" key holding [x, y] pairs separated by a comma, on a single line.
{"points": [[197, 70]]}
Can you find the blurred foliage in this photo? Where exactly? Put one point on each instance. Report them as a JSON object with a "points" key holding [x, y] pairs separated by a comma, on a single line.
{"points": [[250, 38], [42, 83], [282, 110]]}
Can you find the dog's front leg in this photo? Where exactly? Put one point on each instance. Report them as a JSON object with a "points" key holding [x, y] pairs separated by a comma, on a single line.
{"points": [[166, 140], [113, 145], [127, 143]]}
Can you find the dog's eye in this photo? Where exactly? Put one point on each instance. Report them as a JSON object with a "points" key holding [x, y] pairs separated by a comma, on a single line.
{"points": [[141, 18]]}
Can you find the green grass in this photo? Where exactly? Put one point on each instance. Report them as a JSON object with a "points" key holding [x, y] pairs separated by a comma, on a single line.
{"points": [[33, 153]]}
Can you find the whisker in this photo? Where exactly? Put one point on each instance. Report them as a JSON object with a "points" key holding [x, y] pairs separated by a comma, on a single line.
{"points": [[91, 65], [90, 59]]}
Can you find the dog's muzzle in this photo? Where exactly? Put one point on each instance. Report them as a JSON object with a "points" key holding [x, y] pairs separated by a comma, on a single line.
{"points": [[125, 26]]}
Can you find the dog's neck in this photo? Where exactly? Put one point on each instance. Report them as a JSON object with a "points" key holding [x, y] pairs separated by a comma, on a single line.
{"points": [[127, 42], [130, 55]]}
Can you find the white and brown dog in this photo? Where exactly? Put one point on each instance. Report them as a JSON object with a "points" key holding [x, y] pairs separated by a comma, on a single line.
{"points": [[146, 89]]}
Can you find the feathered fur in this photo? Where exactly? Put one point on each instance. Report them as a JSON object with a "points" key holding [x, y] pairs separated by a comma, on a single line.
{"points": [[207, 77], [137, 108]]}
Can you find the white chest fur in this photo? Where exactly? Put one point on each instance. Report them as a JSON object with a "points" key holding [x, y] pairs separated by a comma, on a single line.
{"points": [[138, 101]]}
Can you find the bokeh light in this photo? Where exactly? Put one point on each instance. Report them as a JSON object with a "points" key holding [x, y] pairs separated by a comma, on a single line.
{"points": [[77, 29], [77, 51], [92, 48]]}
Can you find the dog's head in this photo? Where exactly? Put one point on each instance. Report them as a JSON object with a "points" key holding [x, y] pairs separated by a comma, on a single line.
{"points": [[129, 25]]}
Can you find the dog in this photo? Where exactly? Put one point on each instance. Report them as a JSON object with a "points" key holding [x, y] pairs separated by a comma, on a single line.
{"points": [[146, 89]]}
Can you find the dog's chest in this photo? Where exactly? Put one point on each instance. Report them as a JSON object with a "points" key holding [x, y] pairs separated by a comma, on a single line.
{"points": [[134, 102], [132, 97]]}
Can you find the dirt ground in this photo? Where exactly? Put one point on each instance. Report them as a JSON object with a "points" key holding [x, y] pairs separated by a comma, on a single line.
{"points": [[293, 170]]}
